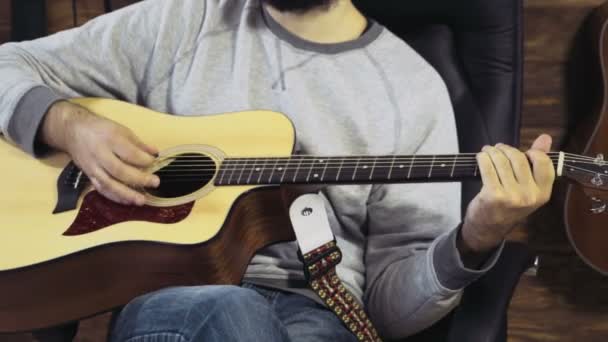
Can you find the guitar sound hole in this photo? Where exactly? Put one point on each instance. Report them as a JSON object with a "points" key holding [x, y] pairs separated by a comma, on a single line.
{"points": [[186, 174]]}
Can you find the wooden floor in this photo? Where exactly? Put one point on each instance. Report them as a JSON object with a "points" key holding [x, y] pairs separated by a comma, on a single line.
{"points": [[566, 301]]}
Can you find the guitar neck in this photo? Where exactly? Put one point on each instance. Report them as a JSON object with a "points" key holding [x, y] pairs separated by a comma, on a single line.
{"points": [[351, 169]]}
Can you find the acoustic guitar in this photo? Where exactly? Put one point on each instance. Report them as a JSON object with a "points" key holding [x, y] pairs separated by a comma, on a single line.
{"points": [[67, 253], [586, 208]]}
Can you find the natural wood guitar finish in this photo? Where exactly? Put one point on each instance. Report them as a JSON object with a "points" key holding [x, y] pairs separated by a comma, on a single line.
{"points": [[124, 264], [588, 231]]}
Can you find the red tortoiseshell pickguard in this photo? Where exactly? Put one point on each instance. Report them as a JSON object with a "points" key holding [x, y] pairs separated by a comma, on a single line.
{"points": [[98, 212]]}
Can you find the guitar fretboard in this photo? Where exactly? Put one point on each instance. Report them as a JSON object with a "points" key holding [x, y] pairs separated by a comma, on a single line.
{"points": [[352, 169], [346, 170]]}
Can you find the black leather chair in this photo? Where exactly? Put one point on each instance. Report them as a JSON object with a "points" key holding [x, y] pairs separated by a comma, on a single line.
{"points": [[477, 47]]}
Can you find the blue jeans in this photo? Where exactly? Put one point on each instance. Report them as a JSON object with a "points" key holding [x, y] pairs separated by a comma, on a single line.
{"points": [[226, 314]]}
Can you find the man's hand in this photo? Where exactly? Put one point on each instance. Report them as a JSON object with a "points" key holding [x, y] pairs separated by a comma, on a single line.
{"points": [[108, 153], [511, 191]]}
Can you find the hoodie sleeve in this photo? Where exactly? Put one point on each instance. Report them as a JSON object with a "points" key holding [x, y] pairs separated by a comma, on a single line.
{"points": [[119, 55], [415, 274]]}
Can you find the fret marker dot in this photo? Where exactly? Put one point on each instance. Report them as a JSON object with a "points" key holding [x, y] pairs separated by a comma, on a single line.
{"points": [[316, 175], [320, 160], [364, 166], [280, 169], [442, 165], [257, 169], [401, 166], [571, 169]]}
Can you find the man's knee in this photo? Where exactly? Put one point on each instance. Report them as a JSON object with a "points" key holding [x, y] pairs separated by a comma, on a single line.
{"points": [[191, 313]]}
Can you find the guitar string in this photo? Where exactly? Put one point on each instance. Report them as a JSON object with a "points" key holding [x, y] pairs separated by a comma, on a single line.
{"points": [[368, 157], [302, 164], [378, 161], [344, 163], [186, 179], [185, 171], [238, 162], [360, 159], [212, 167], [414, 172], [206, 172], [197, 177], [585, 170], [364, 155], [446, 168], [358, 180]]}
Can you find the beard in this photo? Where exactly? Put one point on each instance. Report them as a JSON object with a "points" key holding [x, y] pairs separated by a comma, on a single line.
{"points": [[299, 6]]}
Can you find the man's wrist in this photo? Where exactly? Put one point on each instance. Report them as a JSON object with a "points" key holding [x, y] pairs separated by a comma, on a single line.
{"points": [[55, 124], [474, 247], [471, 258]]}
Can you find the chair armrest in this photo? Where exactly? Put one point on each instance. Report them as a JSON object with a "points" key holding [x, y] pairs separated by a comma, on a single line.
{"points": [[65, 333], [482, 313]]}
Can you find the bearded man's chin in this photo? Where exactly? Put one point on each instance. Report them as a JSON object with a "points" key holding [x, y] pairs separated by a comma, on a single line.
{"points": [[299, 6]]}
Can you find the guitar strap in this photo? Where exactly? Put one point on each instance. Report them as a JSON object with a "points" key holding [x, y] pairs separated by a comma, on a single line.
{"points": [[320, 255]]}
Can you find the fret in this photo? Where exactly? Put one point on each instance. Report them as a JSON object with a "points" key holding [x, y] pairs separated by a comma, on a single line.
{"points": [[255, 162], [339, 169], [224, 168], [431, 168], [373, 167], [316, 171], [409, 173], [236, 164], [475, 173], [325, 169], [309, 171], [390, 171], [295, 175], [356, 167], [273, 168], [453, 166], [285, 170], [242, 169], [261, 170]]}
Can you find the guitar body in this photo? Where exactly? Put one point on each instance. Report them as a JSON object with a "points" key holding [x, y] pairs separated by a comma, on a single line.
{"points": [[57, 267], [588, 231]]}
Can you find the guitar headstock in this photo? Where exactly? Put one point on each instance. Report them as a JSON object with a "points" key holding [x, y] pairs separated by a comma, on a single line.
{"points": [[590, 173]]}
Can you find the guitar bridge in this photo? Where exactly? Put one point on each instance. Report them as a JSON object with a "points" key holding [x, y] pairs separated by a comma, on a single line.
{"points": [[70, 185]]}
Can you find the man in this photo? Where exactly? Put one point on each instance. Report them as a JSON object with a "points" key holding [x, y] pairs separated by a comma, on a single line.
{"points": [[351, 88]]}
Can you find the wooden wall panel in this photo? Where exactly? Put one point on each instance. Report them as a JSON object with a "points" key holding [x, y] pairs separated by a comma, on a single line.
{"points": [[551, 30], [5, 20], [567, 301], [60, 16]]}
